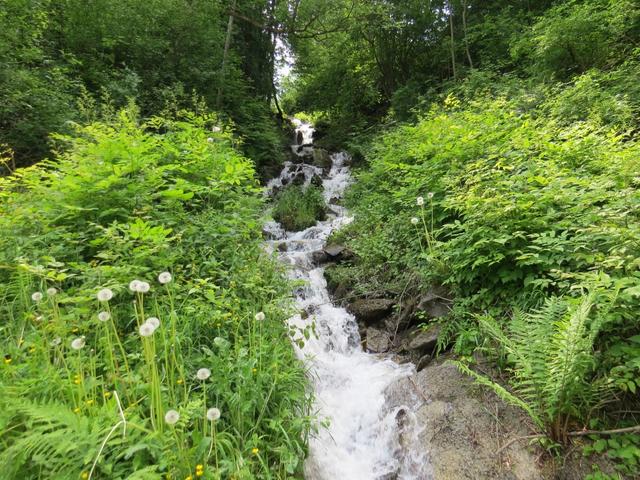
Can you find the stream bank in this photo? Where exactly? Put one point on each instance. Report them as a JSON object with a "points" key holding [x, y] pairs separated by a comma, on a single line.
{"points": [[467, 430]]}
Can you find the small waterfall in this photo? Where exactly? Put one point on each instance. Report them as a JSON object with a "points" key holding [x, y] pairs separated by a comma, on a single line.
{"points": [[367, 438]]}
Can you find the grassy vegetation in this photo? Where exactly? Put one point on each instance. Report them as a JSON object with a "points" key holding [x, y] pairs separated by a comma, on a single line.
{"points": [[142, 325], [297, 208]]}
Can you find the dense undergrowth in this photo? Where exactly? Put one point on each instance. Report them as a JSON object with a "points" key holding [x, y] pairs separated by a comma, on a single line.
{"points": [[135, 301], [297, 207], [520, 207]]}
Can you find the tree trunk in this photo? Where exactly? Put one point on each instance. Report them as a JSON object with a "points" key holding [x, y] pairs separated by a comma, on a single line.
{"points": [[464, 29], [453, 45], [225, 54]]}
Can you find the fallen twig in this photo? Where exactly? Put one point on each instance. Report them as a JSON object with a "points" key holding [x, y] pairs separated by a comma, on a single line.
{"points": [[580, 433]]}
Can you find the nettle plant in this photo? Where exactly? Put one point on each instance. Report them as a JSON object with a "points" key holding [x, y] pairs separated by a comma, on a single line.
{"points": [[109, 374]]}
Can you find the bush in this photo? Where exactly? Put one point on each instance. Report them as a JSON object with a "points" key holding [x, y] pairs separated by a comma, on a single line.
{"points": [[86, 381], [298, 208]]}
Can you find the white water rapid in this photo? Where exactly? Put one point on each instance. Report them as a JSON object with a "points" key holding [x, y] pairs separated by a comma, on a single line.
{"points": [[369, 437]]}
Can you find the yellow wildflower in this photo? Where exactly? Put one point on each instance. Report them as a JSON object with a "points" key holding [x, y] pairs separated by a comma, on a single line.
{"points": [[84, 476], [255, 450], [76, 410], [254, 370], [89, 402], [107, 394], [7, 359], [180, 381]]}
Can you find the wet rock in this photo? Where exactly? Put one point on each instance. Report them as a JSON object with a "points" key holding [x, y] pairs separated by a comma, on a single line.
{"points": [[299, 138], [282, 247], [377, 340], [370, 310], [319, 257], [422, 340]]}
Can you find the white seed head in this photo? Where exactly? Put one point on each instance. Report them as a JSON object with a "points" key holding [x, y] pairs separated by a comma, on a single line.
{"points": [[78, 343], [134, 286], [104, 316], [203, 373], [154, 322], [213, 414], [56, 341], [164, 278], [36, 296], [260, 316], [414, 220], [430, 195], [216, 129], [210, 140], [146, 330], [51, 292], [420, 201], [143, 287], [105, 295], [171, 417]]}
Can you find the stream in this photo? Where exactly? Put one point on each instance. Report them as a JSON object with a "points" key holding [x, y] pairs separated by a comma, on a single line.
{"points": [[368, 435]]}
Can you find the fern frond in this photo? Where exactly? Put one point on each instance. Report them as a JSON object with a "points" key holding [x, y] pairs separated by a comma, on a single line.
{"points": [[499, 390]]}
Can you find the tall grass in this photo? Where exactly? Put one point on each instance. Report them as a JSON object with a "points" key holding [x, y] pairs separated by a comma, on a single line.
{"points": [[150, 235]]}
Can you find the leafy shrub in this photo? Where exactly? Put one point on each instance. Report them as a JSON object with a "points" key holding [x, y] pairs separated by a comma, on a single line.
{"points": [[298, 208], [525, 208], [86, 382]]}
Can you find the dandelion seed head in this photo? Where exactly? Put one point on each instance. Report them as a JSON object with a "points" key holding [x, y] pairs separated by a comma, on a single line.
{"points": [[430, 195], [419, 201], [78, 343], [146, 330], [36, 296], [134, 286], [414, 220], [105, 294], [164, 278], [51, 292], [203, 374], [210, 140], [171, 417], [216, 129], [260, 316], [56, 341], [154, 322], [143, 287], [104, 316], [213, 414]]}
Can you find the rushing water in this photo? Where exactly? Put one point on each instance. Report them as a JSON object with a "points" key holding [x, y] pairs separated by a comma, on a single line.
{"points": [[368, 436]]}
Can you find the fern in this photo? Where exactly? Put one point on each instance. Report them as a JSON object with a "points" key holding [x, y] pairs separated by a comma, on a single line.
{"points": [[47, 438], [550, 353]]}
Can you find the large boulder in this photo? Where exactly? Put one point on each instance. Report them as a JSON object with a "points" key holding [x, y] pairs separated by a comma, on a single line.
{"points": [[377, 341], [423, 340], [370, 310], [321, 158]]}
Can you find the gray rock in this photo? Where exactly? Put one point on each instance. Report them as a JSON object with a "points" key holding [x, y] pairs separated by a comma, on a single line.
{"points": [[334, 250], [423, 340], [370, 310], [435, 303], [377, 340], [282, 247]]}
